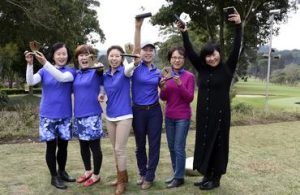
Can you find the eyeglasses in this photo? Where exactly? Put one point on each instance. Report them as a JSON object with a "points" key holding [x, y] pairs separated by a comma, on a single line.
{"points": [[177, 58]]}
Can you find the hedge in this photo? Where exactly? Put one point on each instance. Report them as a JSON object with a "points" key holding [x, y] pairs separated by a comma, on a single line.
{"points": [[20, 91]]}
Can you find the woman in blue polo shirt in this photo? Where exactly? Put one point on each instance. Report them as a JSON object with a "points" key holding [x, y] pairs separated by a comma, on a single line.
{"points": [[55, 107], [87, 112], [147, 114], [118, 112]]}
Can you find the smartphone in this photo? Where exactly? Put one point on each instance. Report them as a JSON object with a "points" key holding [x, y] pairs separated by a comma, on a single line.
{"points": [[144, 15], [178, 19], [228, 11]]}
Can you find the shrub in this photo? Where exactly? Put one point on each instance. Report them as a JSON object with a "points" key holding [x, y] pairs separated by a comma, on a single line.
{"points": [[243, 108], [19, 123], [20, 91], [3, 99]]}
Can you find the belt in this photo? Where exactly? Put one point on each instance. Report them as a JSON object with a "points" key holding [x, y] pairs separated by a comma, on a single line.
{"points": [[146, 107]]}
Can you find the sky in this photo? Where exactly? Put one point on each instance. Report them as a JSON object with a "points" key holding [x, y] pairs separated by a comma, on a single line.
{"points": [[116, 19]]}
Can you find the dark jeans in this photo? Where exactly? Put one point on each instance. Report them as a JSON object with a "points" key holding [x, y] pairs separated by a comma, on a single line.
{"points": [[147, 121]]}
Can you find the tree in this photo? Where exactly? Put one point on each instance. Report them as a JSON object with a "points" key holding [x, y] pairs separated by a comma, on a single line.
{"points": [[208, 21], [289, 75], [8, 73], [69, 21]]}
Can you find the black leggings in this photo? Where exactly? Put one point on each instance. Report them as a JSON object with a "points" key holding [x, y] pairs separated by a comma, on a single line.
{"points": [[85, 149], [60, 157]]}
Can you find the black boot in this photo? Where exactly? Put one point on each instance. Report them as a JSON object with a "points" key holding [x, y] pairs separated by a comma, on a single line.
{"points": [[211, 184], [176, 183], [65, 176], [204, 180], [58, 182]]}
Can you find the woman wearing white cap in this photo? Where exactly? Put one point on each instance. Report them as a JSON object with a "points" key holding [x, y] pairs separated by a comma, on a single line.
{"points": [[147, 114]]}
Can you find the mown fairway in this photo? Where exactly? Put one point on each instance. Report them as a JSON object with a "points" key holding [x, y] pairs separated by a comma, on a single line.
{"points": [[280, 96]]}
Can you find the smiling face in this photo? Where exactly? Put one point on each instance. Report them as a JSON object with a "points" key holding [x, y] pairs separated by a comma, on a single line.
{"points": [[213, 59], [60, 56], [147, 54], [177, 60], [114, 58]]}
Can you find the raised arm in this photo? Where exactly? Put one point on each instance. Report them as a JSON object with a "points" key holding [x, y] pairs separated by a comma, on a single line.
{"points": [[31, 79], [137, 35], [190, 52], [234, 54], [58, 75]]}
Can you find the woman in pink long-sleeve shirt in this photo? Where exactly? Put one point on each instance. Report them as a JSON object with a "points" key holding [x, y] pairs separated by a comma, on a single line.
{"points": [[178, 92]]}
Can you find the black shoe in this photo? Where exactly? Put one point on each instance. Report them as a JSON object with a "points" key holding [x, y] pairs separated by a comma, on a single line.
{"points": [[169, 180], [209, 185], [65, 176], [175, 183], [199, 183], [58, 182]]}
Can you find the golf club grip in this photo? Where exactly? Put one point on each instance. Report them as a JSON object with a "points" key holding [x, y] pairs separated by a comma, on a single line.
{"points": [[129, 55]]}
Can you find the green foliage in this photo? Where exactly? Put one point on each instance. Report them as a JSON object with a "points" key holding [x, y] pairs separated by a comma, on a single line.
{"points": [[69, 21], [8, 59], [242, 108], [21, 122], [3, 99], [289, 75], [19, 101], [14, 91], [208, 22]]}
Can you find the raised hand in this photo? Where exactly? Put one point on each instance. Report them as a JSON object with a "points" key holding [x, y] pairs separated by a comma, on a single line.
{"points": [[139, 22], [236, 18], [181, 27], [137, 59], [40, 57], [28, 57], [177, 80]]}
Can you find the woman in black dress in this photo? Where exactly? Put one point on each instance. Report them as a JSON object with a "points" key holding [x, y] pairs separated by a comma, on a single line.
{"points": [[213, 105]]}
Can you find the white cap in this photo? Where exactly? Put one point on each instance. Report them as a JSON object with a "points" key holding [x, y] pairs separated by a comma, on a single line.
{"points": [[147, 43]]}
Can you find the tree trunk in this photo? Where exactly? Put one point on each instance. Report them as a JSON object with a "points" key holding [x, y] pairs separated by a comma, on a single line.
{"points": [[30, 91]]}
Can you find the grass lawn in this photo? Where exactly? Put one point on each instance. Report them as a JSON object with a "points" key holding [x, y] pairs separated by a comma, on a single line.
{"points": [[264, 159], [280, 96]]}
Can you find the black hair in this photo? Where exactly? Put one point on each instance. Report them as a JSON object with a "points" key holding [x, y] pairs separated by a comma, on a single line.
{"points": [[180, 50], [209, 49], [117, 47], [55, 47]]}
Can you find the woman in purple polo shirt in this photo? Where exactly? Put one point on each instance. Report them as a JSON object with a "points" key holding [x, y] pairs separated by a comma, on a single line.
{"points": [[147, 114], [118, 112], [178, 93], [55, 107], [87, 112]]}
